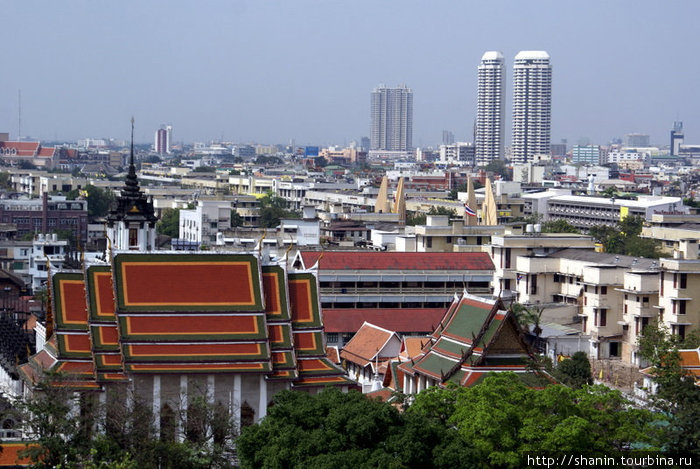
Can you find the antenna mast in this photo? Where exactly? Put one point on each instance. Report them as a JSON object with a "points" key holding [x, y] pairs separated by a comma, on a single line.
{"points": [[19, 116]]}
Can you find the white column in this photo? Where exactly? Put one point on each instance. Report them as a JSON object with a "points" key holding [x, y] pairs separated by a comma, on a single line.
{"points": [[236, 404], [183, 408], [262, 403], [156, 405], [210, 389], [102, 421], [420, 383], [405, 384]]}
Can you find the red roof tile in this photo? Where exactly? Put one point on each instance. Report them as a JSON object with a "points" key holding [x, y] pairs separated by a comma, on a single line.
{"points": [[365, 344], [394, 319], [332, 354], [22, 148], [372, 260], [46, 152]]}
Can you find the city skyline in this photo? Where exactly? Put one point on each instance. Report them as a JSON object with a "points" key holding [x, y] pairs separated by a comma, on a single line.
{"points": [[275, 71]]}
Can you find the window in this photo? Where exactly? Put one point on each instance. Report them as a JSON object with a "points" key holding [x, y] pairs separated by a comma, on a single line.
{"points": [[557, 279], [428, 242], [645, 301], [533, 284], [133, 237], [604, 290], [507, 258], [614, 349], [681, 307], [332, 337], [684, 280], [601, 318], [661, 288]]}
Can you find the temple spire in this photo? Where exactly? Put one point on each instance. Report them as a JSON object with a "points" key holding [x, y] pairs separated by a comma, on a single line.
{"points": [[131, 183]]}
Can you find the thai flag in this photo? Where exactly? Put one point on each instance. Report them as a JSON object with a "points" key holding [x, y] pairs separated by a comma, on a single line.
{"points": [[469, 211]]}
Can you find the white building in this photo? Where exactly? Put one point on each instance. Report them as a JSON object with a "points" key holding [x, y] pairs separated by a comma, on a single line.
{"points": [[45, 248], [490, 108], [201, 224], [532, 105], [457, 153]]}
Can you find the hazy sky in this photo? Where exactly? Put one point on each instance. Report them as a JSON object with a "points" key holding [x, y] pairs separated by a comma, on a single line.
{"points": [[272, 71]]}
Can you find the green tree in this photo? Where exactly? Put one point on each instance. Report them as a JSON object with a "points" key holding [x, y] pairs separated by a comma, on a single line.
{"points": [[575, 371], [416, 218], [503, 420], [439, 210], [677, 395], [501, 168], [99, 200], [272, 209], [343, 430], [559, 226], [5, 181], [236, 219], [169, 223], [624, 238]]}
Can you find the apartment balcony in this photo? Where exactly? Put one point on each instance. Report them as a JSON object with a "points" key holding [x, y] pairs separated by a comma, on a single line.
{"points": [[417, 291]]}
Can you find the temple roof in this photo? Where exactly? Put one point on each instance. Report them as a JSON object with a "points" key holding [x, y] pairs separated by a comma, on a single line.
{"points": [[204, 312], [475, 337]]}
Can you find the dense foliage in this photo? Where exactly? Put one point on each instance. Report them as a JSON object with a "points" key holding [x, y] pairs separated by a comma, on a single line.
{"points": [[99, 200], [127, 439], [677, 395], [169, 223], [272, 209], [624, 238], [493, 424]]}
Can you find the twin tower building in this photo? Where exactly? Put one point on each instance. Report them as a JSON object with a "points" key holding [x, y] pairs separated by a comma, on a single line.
{"points": [[532, 107], [391, 128]]}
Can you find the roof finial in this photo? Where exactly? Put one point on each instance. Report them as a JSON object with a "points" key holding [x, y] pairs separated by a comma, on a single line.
{"points": [[131, 158]]}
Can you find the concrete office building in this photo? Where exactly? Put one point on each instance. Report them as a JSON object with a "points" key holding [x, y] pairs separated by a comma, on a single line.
{"points": [[676, 138], [391, 119], [490, 109], [532, 105]]}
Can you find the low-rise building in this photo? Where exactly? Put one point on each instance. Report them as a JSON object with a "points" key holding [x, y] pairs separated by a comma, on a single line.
{"points": [[406, 292]]}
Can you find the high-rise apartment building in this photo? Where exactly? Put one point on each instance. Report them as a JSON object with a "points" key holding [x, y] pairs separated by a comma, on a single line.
{"points": [[162, 140], [392, 119], [490, 109], [532, 105]]}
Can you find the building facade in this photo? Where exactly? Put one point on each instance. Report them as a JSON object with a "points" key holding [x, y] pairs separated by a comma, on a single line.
{"points": [[490, 109], [391, 119], [532, 105]]}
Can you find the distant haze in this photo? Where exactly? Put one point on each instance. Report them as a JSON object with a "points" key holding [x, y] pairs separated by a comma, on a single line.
{"points": [[272, 71]]}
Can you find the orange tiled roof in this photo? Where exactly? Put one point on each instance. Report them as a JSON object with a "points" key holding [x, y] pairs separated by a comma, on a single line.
{"points": [[366, 344]]}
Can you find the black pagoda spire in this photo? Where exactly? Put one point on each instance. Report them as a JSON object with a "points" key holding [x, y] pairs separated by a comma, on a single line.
{"points": [[132, 205]]}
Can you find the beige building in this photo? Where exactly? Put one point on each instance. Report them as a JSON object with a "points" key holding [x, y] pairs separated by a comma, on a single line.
{"points": [[505, 250], [439, 235], [612, 296], [679, 306]]}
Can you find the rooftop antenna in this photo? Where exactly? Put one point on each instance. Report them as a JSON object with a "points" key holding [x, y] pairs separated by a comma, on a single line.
{"points": [[19, 116]]}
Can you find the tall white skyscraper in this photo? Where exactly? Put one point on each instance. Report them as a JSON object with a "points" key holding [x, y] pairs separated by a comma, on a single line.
{"points": [[391, 119], [532, 105], [490, 109]]}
